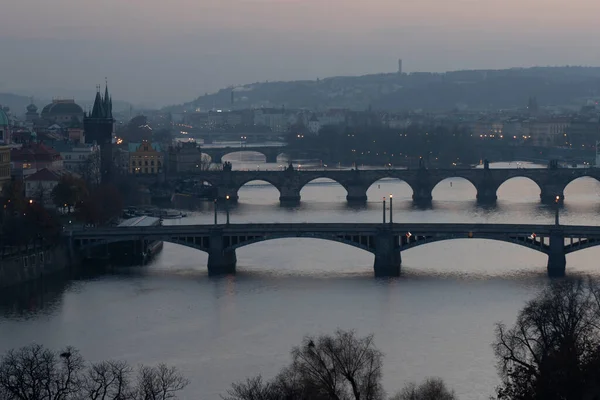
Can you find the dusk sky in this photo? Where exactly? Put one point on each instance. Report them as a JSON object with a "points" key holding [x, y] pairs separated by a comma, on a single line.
{"points": [[164, 52]]}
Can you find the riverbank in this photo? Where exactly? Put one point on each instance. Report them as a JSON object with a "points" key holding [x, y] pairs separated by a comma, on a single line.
{"points": [[34, 262]]}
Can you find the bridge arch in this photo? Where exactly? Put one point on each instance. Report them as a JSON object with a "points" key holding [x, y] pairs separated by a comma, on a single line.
{"points": [[347, 240], [386, 185], [237, 155], [313, 188], [270, 190], [535, 244], [519, 186], [456, 187], [575, 187]]}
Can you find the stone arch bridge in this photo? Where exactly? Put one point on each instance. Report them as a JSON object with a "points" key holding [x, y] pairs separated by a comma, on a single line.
{"points": [[385, 241], [289, 183], [271, 153]]}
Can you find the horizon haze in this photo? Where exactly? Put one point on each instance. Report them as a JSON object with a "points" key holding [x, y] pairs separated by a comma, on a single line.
{"points": [[156, 54]]}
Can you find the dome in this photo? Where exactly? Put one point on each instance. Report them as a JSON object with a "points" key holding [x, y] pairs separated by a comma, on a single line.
{"points": [[32, 108], [3, 118], [60, 107]]}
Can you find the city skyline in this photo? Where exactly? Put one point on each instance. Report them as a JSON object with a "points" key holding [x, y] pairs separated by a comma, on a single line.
{"points": [[163, 54]]}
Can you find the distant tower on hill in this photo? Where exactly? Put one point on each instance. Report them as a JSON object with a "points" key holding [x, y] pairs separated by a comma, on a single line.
{"points": [[399, 66]]}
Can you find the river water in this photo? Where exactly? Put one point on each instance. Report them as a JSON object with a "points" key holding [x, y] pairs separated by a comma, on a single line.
{"points": [[437, 319]]}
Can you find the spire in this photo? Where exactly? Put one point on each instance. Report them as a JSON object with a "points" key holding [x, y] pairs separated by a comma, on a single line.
{"points": [[107, 101], [98, 110]]}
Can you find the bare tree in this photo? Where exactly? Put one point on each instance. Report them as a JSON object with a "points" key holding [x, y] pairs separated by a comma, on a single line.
{"points": [[90, 169], [108, 380], [36, 373], [553, 350], [430, 389], [329, 367], [159, 383], [253, 389]]}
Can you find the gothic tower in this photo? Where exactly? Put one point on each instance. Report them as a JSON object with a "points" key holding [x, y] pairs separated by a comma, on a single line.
{"points": [[98, 126]]}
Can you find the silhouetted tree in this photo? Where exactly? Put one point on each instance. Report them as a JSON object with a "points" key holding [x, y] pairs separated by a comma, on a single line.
{"points": [[69, 191], [553, 350], [328, 367], [103, 204], [430, 389], [36, 373]]}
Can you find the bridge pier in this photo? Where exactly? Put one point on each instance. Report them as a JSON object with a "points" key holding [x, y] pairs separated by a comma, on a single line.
{"points": [[271, 158], [557, 260], [216, 158], [548, 196], [221, 261], [357, 194], [486, 193], [387, 254], [422, 195], [289, 196], [223, 192]]}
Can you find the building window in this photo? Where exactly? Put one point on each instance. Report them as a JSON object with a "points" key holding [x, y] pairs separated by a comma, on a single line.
{"points": [[146, 170], [152, 163]]}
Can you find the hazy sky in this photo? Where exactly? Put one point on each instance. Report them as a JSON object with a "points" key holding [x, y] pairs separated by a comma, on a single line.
{"points": [[170, 51]]}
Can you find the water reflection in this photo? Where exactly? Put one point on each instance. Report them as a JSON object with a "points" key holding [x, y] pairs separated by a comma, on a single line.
{"points": [[436, 319]]}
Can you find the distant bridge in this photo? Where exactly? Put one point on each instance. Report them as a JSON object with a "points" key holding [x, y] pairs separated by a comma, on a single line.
{"points": [[271, 153], [385, 241], [289, 183]]}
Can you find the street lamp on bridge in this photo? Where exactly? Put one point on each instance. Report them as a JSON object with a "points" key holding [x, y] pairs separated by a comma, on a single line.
{"points": [[227, 208], [557, 201], [391, 212]]}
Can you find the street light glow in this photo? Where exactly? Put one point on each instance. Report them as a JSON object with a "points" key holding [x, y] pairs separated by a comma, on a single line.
{"points": [[227, 197]]}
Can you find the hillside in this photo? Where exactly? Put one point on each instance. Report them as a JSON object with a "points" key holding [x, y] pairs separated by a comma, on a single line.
{"points": [[474, 89]]}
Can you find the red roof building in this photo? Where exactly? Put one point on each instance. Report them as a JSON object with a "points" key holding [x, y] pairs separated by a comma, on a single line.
{"points": [[35, 156]]}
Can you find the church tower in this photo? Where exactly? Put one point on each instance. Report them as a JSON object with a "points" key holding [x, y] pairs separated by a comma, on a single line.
{"points": [[98, 126]]}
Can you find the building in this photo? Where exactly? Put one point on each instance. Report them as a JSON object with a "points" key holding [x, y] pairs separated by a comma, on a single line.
{"points": [[273, 118], [32, 113], [80, 158], [39, 185], [145, 158], [5, 128], [62, 112], [98, 128], [33, 157], [121, 157], [583, 132], [184, 157], [4, 165], [548, 132]]}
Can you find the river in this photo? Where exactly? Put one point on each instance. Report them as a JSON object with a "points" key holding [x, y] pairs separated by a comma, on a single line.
{"points": [[437, 319]]}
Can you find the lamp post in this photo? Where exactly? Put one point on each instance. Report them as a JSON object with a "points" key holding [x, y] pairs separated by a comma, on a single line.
{"points": [[215, 209], [391, 214], [227, 208], [384, 210], [557, 200]]}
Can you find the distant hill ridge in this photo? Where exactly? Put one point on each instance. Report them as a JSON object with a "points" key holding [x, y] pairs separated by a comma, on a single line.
{"points": [[472, 89], [18, 104]]}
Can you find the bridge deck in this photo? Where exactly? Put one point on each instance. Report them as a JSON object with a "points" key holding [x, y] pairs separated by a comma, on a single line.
{"points": [[350, 228]]}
